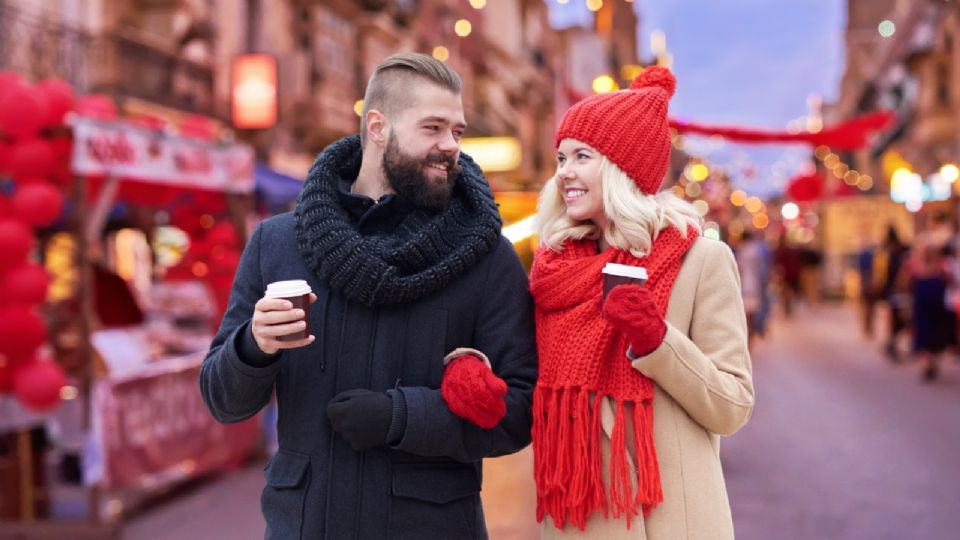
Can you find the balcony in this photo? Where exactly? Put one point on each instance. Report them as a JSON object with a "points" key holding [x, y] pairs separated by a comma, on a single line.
{"points": [[38, 47], [134, 64]]}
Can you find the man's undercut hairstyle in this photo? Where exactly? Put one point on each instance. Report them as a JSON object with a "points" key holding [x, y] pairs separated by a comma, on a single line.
{"points": [[388, 90]]}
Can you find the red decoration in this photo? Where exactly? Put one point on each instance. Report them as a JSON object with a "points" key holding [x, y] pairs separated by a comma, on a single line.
{"points": [[849, 135], [96, 106], [806, 188], [24, 285], [198, 127], [37, 384], [59, 98], [22, 111], [16, 239], [6, 376], [223, 234], [38, 203], [31, 158], [21, 331], [4, 156], [224, 261]]}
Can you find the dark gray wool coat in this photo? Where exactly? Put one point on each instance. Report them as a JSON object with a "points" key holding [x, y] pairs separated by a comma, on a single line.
{"points": [[389, 307]]}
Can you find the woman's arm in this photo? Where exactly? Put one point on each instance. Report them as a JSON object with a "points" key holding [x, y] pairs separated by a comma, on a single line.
{"points": [[708, 372]]}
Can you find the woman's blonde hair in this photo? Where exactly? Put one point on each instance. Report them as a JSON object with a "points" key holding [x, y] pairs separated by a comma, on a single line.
{"points": [[634, 219]]}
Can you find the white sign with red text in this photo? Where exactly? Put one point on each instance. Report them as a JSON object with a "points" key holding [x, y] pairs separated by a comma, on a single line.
{"points": [[131, 152]]}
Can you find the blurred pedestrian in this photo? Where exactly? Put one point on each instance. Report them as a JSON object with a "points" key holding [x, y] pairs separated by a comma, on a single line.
{"points": [[421, 357], [888, 273], [753, 260], [786, 262], [933, 325], [868, 288], [635, 390]]}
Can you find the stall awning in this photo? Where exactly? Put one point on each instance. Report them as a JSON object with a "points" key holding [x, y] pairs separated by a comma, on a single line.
{"points": [[274, 188]]}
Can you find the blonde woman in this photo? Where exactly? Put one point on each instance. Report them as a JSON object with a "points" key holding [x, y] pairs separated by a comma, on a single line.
{"points": [[634, 391]]}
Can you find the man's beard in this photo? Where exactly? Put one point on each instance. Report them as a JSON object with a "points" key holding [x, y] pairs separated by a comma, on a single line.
{"points": [[407, 178]]}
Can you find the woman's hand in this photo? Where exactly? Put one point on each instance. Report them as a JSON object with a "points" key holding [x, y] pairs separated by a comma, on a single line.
{"points": [[632, 310]]}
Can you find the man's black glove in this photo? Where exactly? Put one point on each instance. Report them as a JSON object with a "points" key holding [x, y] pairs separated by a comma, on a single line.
{"points": [[362, 417]]}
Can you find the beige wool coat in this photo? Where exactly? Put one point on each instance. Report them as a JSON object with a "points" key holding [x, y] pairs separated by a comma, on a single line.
{"points": [[702, 391]]}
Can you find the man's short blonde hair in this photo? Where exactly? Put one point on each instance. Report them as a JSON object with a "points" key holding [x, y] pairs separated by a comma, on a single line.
{"points": [[388, 90], [634, 219]]}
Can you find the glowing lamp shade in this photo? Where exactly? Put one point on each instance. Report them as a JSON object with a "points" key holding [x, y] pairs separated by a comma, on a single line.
{"points": [[493, 154], [253, 89]]}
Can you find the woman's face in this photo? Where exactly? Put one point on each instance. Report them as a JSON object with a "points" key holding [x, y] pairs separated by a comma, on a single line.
{"points": [[578, 179]]}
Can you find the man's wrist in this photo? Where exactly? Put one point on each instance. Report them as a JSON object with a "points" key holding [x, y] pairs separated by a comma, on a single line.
{"points": [[250, 352]]}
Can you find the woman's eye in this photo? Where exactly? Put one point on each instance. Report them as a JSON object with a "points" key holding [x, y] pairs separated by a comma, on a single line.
{"points": [[583, 156]]}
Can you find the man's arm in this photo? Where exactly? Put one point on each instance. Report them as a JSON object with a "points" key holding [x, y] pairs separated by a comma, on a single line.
{"points": [[505, 333], [236, 378]]}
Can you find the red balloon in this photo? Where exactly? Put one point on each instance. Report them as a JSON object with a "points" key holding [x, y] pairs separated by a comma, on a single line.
{"points": [[96, 106], [31, 158], [16, 239], [38, 203], [37, 384], [9, 79], [25, 285], [21, 331], [4, 156], [59, 97], [23, 110], [6, 377]]}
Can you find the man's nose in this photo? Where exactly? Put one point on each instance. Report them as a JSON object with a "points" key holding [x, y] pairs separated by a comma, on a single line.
{"points": [[448, 143]]}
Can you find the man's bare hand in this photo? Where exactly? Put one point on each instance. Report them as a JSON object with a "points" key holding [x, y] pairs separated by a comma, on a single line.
{"points": [[275, 317]]}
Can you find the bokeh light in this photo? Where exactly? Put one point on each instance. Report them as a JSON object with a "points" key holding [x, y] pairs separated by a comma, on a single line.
{"points": [[886, 28], [950, 173], [441, 53], [790, 211], [701, 206], [604, 83], [738, 198], [753, 205], [463, 28], [761, 221], [594, 5]]}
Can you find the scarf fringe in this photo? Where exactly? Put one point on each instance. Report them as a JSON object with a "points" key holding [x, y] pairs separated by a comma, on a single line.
{"points": [[568, 459]]}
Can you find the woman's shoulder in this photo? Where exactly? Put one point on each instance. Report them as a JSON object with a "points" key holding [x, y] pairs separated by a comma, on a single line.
{"points": [[707, 249]]}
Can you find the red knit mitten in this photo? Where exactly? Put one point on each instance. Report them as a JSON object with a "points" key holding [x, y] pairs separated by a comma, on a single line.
{"points": [[632, 310], [473, 391]]}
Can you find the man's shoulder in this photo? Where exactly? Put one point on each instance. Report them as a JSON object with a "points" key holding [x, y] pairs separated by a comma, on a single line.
{"points": [[281, 222]]}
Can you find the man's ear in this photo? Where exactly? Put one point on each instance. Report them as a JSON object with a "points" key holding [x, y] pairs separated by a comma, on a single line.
{"points": [[377, 127]]}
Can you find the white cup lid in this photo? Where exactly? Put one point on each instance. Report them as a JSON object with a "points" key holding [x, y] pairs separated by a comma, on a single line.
{"points": [[625, 270], [286, 289]]}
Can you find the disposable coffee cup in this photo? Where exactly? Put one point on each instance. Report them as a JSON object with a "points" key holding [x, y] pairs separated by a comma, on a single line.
{"points": [[622, 274], [297, 291]]}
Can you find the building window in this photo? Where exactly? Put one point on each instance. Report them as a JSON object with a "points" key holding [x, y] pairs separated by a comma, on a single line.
{"points": [[943, 85]]}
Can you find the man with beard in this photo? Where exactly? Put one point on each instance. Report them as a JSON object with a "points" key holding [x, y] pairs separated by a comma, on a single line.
{"points": [[420, 359]]}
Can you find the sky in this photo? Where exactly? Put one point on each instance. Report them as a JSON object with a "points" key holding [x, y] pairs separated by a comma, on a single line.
{"points": [[750, 63]]}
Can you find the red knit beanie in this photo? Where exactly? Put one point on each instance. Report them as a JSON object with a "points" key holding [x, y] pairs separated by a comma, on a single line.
{"points": [[629, 127]]}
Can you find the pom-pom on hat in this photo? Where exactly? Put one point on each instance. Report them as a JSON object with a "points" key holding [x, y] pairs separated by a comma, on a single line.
{"points": [[629, 127]]}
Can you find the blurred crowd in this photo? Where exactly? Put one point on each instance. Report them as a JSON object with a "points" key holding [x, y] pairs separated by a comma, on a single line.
{"points": [[916, 289], [781, 274], [908, 291]]}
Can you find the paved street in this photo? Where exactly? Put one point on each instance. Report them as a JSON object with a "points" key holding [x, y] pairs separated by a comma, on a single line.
{"points": [[842, 446]]}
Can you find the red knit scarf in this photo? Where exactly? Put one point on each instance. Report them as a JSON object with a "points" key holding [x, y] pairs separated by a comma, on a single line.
{"points": [[582, 359]]}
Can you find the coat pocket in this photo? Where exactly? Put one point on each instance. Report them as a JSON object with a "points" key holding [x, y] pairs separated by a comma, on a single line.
{"points": [[436, 501], [282, 500]]}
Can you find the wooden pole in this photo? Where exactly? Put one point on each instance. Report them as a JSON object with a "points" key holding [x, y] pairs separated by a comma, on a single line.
{"points": [[85, 295], [25, 454]]}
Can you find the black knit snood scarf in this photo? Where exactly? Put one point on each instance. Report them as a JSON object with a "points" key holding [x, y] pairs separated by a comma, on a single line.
{"points": [[426, 252]]}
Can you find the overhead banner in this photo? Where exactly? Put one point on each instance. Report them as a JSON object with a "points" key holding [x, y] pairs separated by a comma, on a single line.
{"points": [[131, 152]]}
